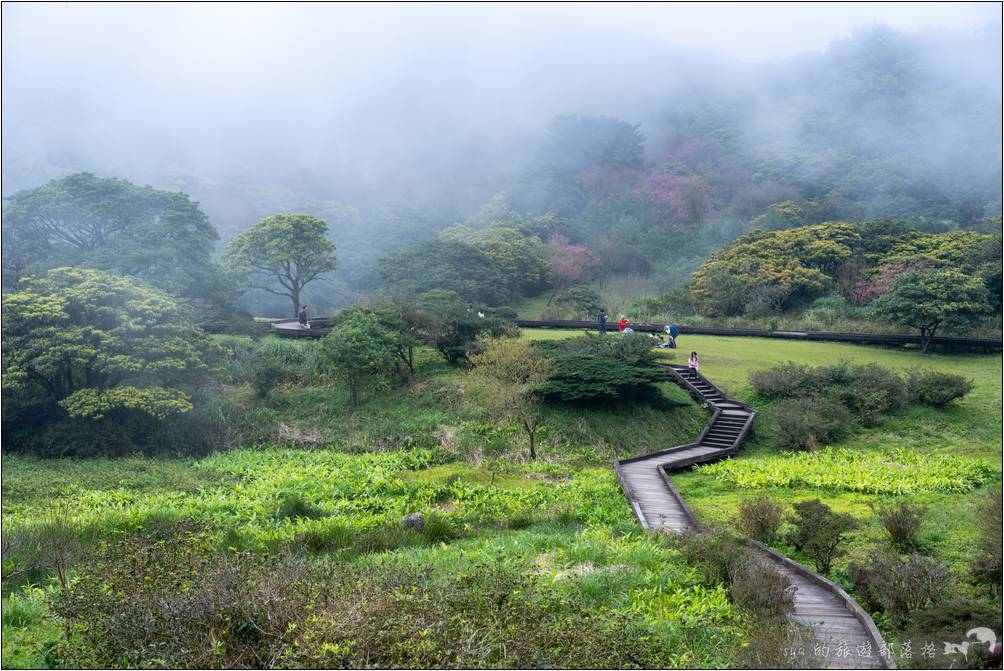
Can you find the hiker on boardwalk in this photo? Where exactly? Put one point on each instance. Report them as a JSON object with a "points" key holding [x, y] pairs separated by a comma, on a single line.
{"points": [[602, 319], [622, 324], [304, 324], [695, 365]]}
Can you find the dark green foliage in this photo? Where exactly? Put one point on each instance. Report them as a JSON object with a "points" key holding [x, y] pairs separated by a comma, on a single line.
{"points": [[871, 391], [113, 225], [932, 387], [760, 518], [819, 398], [449, 265], [951, 619], [819, 532], [281, 254], [582, 300], [808, 423], [361, 352], [786, 380], [294, 506], [986, 566], [901, 587], [453, 327], [399, 318], [902, 521], [927, 299], [595, 367]]}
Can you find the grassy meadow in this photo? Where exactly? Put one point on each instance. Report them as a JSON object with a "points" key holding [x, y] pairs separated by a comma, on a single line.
{"points": [[312, 478]]}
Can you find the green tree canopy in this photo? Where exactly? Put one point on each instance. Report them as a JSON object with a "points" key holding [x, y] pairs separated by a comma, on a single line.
{"points": [[359, 351], [281, 254], [448, 265], [801, 262], [110, 224], [520, 259], [97, 343], [928, 299], [452, 326]]}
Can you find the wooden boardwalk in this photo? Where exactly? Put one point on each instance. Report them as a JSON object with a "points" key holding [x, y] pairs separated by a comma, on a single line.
{"points": [[843, 635]]}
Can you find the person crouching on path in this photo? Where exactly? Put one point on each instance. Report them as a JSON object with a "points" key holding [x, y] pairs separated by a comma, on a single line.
{"points": [[695, 365], [304, 324], [622, 324], [602, 319]]}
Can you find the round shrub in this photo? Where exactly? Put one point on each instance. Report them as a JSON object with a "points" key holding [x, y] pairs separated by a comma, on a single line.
{"points": [[932, 387], [760, 518], [807, 423]]}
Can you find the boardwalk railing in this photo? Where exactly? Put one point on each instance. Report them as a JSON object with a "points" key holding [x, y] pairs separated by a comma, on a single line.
{"points": [[831, 614], [989, 344], [319, 327]]}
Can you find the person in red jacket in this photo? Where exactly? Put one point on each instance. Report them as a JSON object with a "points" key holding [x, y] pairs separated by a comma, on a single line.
{"points": [[622, 324]]}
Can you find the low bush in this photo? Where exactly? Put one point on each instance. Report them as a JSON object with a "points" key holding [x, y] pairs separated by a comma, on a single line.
{"points": [[762, 590], [901, 587], [593, 368], [760, 518], [951, 620], [871, 391], [932, 387], [179, 604], [819, 532], [808, 423], [986, 567], [716, 552], [293, 506], [901, 521], [786, 380], [776, 645]]}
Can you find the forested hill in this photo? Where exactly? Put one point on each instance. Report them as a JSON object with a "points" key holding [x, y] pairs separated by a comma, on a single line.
{"points": [[694, 152]]}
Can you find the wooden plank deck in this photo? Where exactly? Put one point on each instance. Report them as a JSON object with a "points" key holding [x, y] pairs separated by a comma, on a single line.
{"points": [[843, 635]]}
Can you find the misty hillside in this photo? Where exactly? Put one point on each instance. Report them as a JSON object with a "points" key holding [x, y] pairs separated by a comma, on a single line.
{"points": [[684, 145]]}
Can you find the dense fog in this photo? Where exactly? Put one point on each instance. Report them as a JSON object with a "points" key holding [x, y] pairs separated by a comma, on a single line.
{"points": [[419, 115]]}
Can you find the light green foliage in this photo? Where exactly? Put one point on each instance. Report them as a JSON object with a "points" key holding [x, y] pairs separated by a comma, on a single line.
{"points": [[899, 471], [359, 351], [925, 300], [97, 342], [517, 370], [799, 262], [281, 254], [157, 402]]}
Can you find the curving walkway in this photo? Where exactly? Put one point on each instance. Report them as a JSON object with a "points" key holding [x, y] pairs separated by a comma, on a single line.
{"points": [[843, 635]]}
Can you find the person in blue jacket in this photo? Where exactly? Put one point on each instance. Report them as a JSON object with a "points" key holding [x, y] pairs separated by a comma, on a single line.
{"points": [[672, 331], [602, 319]]}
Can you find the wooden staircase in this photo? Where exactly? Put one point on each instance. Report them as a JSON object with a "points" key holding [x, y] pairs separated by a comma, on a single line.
{"points": [[843, 635]]}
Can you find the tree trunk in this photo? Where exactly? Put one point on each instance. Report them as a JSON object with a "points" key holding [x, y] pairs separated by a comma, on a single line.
{"points": [[533, 441], [295, 296]]}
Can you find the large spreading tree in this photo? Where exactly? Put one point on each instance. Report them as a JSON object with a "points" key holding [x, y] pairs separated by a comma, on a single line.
{"points": [[281, 254], [113, 225], [98, 344], [928, 299]]}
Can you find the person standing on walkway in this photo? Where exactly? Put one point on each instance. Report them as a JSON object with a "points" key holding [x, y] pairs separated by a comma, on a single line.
{"points": [[602, 319], [304, 324], [622, 324], [695, 365]]}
